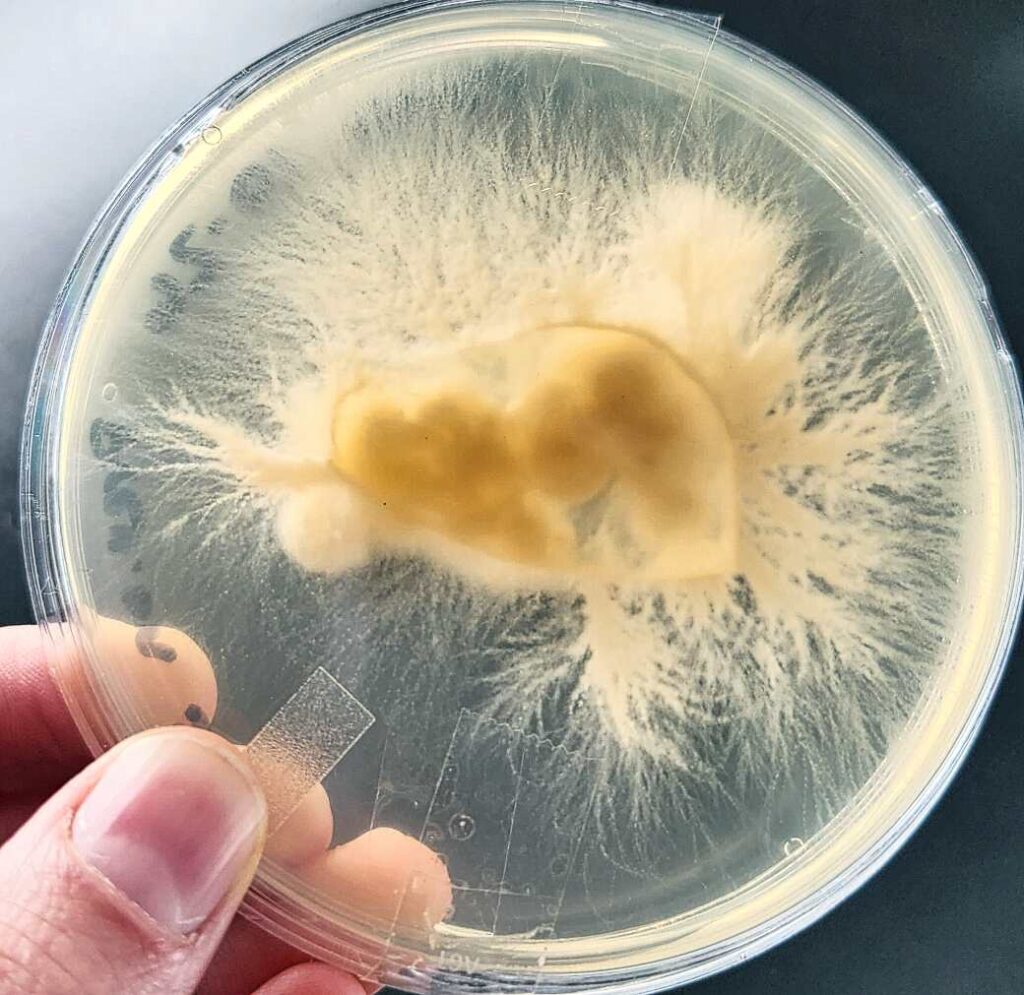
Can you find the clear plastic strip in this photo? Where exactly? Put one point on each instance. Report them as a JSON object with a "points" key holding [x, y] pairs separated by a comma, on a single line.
{"points": [[304, 740]]}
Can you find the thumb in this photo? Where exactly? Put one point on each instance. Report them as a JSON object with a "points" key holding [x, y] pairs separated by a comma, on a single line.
{"points": [[124, 882]]}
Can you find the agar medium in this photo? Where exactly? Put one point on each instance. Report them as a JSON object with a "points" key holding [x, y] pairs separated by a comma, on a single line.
{"points": [[569, 453]]}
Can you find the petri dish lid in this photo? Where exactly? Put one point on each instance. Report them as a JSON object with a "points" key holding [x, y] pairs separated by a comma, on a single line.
{"points": [[570, 453]]}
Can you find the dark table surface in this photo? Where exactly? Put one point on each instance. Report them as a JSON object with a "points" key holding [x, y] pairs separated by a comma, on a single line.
{"points": [[85, 86]]}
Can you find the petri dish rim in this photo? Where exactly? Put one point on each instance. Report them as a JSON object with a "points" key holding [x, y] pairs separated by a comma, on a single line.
{"points": [[635, 960]]}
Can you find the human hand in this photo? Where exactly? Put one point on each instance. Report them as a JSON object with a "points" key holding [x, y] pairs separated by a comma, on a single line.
{"points": [[126, 880]]}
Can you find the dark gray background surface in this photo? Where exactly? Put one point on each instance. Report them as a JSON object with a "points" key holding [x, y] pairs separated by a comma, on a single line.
{"points": [[85, 86]]}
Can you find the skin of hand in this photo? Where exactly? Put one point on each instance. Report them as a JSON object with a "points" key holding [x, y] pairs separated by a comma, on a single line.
{"points": [[122, 876]]}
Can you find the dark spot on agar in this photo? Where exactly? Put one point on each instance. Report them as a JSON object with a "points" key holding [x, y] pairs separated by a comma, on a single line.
{"points": [[138, 600], [115, 478], [252, 187], [146, 643], [205, 261], [743, 595], [107, 439], [124, 501], [120, 538], [163, 315]]}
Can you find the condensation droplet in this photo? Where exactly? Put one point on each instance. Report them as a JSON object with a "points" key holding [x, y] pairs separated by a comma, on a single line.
{"points": [[792, 845], [461, 826], [109, 391], [212, 135]]}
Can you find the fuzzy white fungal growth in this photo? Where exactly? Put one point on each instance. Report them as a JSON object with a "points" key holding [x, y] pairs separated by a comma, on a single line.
{"points": [[404, 247]]}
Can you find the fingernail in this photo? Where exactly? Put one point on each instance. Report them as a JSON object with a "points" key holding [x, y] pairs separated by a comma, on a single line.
{"points": [[174, 824]]}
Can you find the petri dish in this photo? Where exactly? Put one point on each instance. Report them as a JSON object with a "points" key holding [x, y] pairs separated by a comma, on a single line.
{"points": [[570, 453]]}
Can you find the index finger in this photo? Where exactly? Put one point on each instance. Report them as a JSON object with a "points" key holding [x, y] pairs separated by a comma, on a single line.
{"points": [[164, 673], [40, 746]]}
